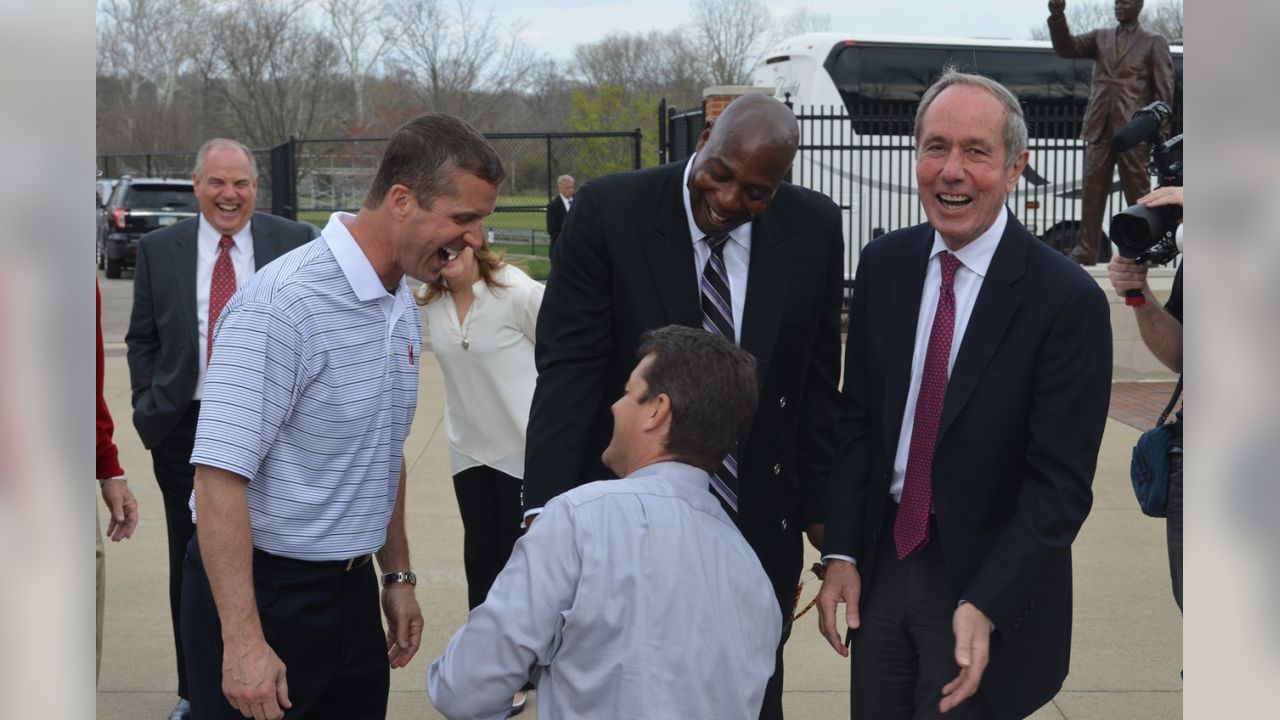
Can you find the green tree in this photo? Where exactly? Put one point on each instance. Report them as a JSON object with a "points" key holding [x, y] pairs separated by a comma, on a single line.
{"points": [[611, 108]]}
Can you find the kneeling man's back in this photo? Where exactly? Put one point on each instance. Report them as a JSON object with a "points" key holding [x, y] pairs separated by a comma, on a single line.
{"points": [[636, 597]]}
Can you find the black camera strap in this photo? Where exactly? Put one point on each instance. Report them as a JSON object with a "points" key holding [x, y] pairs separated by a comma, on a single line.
{"points": [[1177, 392]]}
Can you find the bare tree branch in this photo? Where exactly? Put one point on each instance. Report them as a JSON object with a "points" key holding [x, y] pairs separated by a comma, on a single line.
{"points": [[729, 33], [363, 36]]}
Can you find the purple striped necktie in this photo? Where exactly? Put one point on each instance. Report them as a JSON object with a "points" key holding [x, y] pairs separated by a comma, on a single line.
{"points": [[717, 317]]}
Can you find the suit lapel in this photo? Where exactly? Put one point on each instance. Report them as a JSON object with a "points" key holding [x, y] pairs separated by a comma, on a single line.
{"points": [[265, 247], [900, 340], [669, 250], [184, 278], [767, 275], [997, 301]]}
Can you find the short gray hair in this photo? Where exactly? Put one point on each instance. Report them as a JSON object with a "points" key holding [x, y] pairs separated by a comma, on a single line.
{"points": [[1015, 125], [565, 179], [203, 153]]}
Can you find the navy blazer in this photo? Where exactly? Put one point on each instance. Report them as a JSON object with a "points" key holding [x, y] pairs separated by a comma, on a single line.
{"points": [[163, 336], [1017, 445], [625, 264]]}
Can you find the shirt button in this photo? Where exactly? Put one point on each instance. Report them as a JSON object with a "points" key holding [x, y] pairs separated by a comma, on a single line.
{"points": [[782, 401], [784, 523], [777, 469]]}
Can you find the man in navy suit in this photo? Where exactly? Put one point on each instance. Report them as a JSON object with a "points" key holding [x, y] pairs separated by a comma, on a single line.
{"points": [[169, 336], [558, 207], [636, 254], [977, 378]]}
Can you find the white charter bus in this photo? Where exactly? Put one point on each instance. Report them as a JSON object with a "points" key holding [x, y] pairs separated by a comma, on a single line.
{"points": [[856, 98]]}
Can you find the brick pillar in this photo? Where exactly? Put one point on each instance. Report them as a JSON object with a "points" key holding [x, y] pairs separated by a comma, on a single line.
{"points": [[716, 99]]}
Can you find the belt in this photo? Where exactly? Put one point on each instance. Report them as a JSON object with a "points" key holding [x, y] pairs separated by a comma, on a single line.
{"points": [[357, 561], [354, 563]]}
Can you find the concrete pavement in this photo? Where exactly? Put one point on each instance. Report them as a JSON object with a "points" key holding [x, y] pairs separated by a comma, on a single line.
{"points": [[1127, 643]]}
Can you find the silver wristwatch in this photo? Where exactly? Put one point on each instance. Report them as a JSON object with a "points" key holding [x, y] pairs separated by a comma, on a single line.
{"points": [[400, 577]]}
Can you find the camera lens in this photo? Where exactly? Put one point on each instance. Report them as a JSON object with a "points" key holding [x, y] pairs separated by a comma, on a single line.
{"points": [[1136, 229]]}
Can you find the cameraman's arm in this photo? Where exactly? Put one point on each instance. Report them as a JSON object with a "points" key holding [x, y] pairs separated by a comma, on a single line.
{"points": [[1160, 330]]}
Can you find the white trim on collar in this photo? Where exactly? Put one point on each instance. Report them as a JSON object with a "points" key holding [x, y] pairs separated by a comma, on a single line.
{"points": [[355, 265]]}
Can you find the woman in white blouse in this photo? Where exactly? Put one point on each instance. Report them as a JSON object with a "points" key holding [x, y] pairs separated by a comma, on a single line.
{"points": [[481, 313]]}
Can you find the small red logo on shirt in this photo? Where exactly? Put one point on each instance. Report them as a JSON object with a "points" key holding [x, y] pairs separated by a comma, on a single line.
{"points": [[410, 354]]}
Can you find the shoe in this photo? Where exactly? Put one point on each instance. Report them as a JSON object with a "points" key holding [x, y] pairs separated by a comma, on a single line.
{"points": [[518, 703], [181, 711]]}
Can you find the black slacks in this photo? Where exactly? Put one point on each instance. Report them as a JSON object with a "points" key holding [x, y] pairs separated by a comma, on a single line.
{"points": [[171, 460], [489, 502], [323, 621], [904, 650]]}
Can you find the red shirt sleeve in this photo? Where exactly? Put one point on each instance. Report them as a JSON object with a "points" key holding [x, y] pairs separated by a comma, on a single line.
{"points": [[108, 455]]}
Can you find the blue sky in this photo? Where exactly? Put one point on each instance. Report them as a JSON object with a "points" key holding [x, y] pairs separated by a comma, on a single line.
{"points": [[555, 27]]}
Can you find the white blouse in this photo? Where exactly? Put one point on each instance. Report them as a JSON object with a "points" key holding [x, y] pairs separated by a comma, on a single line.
{"points": [[489, 373]]}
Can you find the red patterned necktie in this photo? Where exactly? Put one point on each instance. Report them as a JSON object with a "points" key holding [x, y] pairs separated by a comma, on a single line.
{"points": [[221, 288], [911, 527]]}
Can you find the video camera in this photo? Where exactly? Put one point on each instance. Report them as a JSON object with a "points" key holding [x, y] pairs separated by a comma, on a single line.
{"points": [[1147, 235]]}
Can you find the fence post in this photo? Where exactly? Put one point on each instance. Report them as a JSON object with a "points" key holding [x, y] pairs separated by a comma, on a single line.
{"points": [[550, 180], [149, 173], [662, 131], [636, 140]]}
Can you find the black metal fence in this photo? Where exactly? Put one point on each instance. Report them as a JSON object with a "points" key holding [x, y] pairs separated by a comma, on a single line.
{"points": [[863, 158], [309, 179]]}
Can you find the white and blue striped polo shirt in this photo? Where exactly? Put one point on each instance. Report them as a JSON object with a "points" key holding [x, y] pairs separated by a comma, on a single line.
{"points": [[310, 393]]}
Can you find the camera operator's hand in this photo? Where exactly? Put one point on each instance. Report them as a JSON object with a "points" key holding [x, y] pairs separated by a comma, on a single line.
{"points": [[1127, 275], [1167, 195]]}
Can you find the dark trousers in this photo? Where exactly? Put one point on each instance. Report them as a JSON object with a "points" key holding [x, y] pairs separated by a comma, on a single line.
{"points": [[489, 502], [171, 460], [904, 650], [1099, 165], [322, 620], [1173, 525]]}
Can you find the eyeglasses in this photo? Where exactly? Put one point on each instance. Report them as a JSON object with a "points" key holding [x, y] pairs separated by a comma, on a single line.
{"points": [[811, 579]]}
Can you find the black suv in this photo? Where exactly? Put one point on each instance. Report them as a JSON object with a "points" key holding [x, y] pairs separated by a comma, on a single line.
{"points": [[138, 206]]}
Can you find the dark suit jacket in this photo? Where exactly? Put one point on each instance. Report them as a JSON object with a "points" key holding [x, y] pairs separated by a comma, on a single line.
{"points": [[1126, 75], [163, 337], [625, 264], [556, 213], [1017, 443]]}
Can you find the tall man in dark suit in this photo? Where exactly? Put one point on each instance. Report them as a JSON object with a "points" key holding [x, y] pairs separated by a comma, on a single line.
{"points": [[977, 377], [183, 271], [1132, 68], [558, 207], [719, 242]]}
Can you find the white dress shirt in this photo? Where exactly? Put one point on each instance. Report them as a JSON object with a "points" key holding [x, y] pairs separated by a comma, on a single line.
{"points": [[737, 256], [635, 598], [488, 384], [975, 259], [207, 241]]}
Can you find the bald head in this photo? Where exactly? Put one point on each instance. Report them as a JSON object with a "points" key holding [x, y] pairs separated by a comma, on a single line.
{"points": [[754, 122], [743, 155]]}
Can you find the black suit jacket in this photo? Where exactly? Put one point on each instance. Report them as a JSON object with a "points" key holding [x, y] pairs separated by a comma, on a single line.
{"points": [[163, 336], [1017, 443], [625, 264], [556, 213]]}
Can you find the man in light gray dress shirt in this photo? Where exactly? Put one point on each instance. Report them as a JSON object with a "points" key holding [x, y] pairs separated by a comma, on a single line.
{"points": [[635, 597]]}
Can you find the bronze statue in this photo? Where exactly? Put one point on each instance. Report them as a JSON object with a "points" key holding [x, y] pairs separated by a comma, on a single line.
{"points": [[1132, 67]]}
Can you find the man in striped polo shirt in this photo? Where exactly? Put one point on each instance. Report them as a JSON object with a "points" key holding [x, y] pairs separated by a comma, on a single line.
{"points": [[299, 449]]}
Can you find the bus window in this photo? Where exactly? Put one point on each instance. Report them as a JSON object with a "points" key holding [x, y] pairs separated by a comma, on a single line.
{"points": [[1035, 74]]}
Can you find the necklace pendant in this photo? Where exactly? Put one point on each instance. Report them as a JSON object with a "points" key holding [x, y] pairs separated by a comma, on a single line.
{"points": [[466, 343]]}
